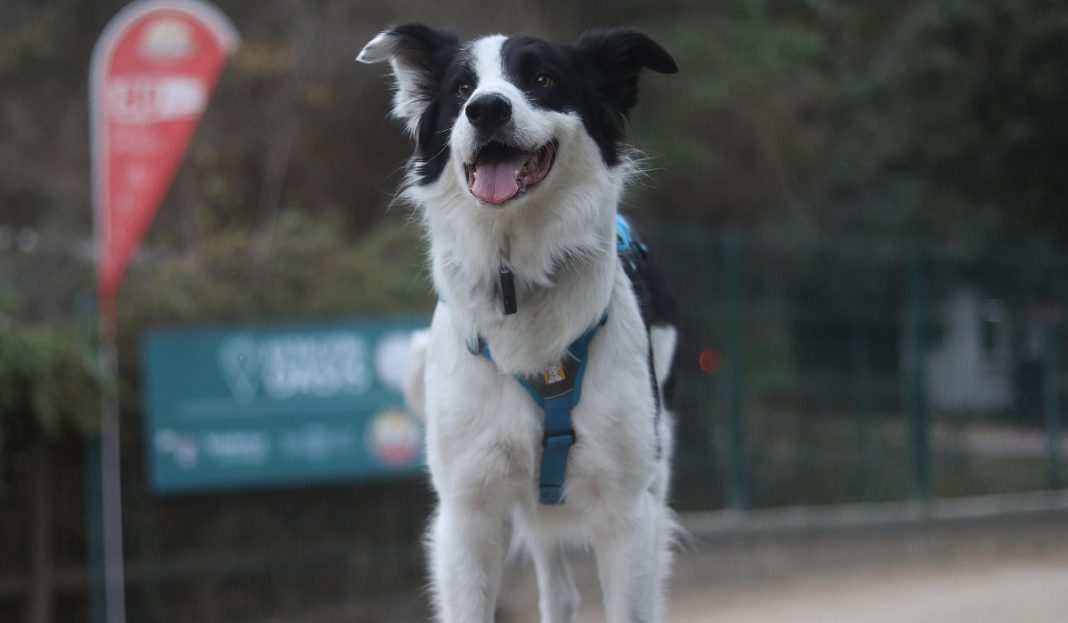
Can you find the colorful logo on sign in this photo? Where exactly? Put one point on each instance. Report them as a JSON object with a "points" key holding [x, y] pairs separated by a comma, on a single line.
{"points": [[394, 438]]}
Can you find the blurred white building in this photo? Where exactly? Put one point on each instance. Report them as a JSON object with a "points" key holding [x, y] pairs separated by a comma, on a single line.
{"points": [[970, 366]]}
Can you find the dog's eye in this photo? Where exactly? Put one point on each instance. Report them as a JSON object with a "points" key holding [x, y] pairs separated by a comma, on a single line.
{"points": [[463, 90], [544, 81]]}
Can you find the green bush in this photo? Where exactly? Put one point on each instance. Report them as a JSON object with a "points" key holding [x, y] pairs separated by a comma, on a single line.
{"points": [[49, 383]]}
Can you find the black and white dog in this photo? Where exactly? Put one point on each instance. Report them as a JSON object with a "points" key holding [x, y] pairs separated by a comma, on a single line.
{"points": [[518, 172]]}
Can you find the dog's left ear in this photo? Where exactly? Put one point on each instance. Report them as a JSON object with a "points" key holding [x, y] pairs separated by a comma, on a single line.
{"points": [[419, 56], [617, 57]]}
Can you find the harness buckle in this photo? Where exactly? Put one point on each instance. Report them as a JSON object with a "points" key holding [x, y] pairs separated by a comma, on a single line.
{"points": [[563, 439]]}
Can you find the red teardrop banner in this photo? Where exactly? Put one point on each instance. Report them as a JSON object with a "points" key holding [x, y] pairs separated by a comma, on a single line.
{"points": [[153, 71]]}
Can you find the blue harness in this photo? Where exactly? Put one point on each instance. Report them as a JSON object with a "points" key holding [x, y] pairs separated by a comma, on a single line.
{"points": [[557, 391]]}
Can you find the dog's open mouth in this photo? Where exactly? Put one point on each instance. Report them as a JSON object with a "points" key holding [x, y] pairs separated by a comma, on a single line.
{"points": [[501, 172]]}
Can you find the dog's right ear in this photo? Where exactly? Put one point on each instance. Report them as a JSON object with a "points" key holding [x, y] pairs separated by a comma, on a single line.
{"points": [[419, 56]]}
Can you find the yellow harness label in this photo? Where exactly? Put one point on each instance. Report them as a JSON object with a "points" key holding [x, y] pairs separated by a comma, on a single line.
{"points": [[555, 374]]}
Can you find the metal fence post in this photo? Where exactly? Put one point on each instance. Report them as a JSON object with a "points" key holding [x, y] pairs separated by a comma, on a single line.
{"points": [[733, 377], [860, 354], [1051, 404], [86, 307], [915, 386]]}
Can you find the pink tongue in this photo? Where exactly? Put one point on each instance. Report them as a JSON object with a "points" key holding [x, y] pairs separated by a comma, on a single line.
{"points": [[495, 179]]}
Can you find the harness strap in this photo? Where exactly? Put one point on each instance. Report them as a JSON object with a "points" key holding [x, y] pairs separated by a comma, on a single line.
{"points": [[557, 391], [556, 444]]}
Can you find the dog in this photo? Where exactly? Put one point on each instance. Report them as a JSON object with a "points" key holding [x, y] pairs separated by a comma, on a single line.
{"points": [[517, 176]]}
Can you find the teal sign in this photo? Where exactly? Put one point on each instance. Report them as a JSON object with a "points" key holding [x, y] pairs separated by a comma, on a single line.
{"points": [[267, 405]]}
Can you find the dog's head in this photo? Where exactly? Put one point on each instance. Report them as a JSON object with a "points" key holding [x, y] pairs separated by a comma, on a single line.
{"points": [[509, 118]]}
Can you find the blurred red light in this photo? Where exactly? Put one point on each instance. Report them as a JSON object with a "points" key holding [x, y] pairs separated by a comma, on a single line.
{"points": [[709, 361]]}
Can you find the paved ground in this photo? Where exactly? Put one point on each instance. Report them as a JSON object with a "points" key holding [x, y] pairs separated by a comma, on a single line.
{"points": [[1016, 592], [962, 569]]}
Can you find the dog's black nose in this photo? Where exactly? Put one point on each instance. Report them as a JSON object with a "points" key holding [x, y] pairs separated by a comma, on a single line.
{"points": [[489, 112]]}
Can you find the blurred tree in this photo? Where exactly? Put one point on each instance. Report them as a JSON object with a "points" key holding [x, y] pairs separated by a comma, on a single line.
{"points": [[823, 115], [300, 266], [890, 117], [48, 382], [49, 385], [954, 126]]}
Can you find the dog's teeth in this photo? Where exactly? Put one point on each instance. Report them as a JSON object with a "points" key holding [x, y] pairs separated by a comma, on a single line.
{"points": [[531, 164]]}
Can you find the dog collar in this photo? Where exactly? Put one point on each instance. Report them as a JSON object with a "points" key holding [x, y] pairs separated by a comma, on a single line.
{"points": [[626, 248], [557, 390]]}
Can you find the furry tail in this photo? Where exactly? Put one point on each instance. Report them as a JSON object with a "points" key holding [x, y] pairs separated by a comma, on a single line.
{"points": [[663, 339], [415, 379]]}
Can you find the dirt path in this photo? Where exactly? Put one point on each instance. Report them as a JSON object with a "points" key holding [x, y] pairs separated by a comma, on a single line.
{"points": [[991, 593], [967, 567]]}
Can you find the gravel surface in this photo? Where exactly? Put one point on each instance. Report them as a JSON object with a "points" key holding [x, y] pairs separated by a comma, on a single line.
{"points": [[1004, 568], [1015, 592]]}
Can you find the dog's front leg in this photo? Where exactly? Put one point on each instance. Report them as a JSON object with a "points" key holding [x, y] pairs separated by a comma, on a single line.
{"points": [[557, 596], [467, 548], [628, 563]]}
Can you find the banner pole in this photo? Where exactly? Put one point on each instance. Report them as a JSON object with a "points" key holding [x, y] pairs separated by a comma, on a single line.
{"points": [[110, 468], [150, 77]]}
